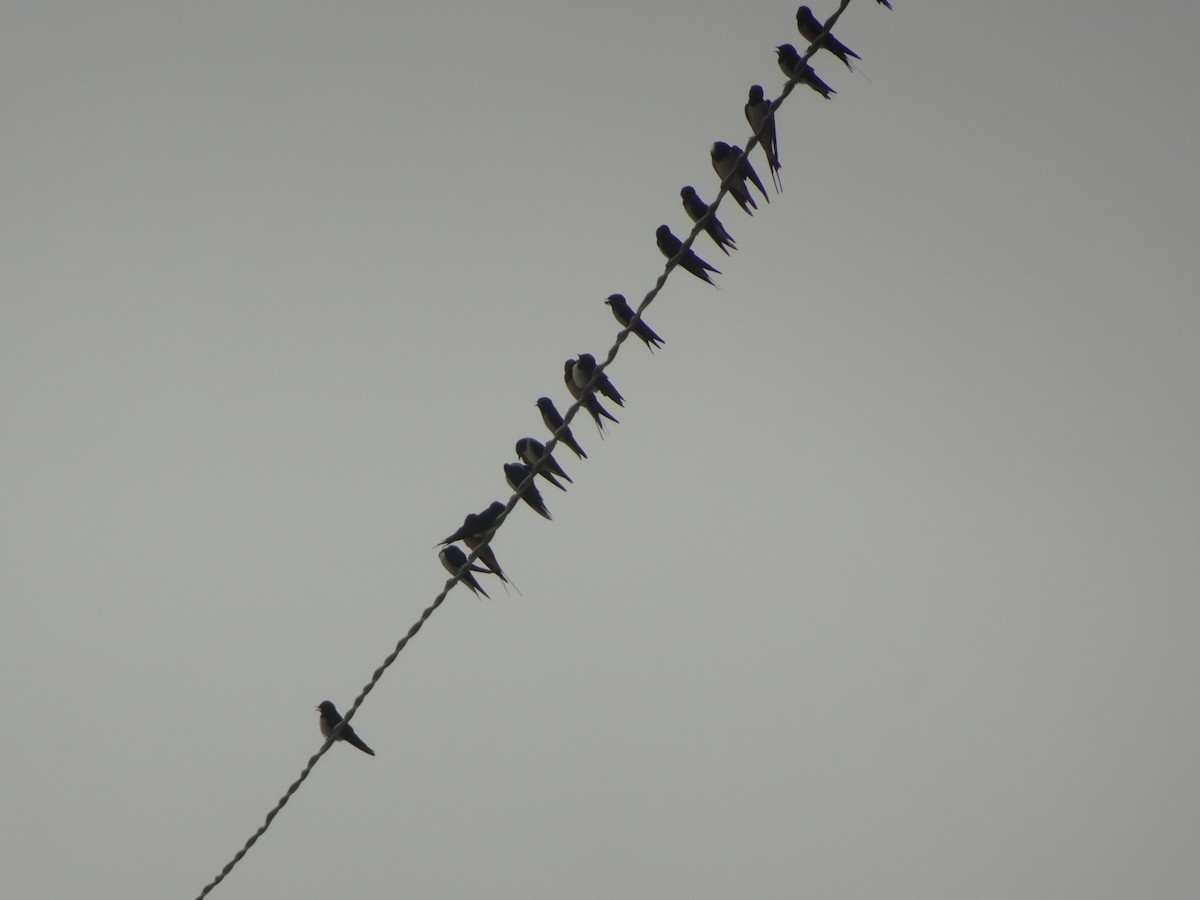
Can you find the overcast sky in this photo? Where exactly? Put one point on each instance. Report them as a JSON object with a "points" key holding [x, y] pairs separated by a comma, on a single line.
{"points": [[886, 585]]}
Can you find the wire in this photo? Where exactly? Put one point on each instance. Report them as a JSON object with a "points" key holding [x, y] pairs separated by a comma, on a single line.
{"points": [[537, 467]]}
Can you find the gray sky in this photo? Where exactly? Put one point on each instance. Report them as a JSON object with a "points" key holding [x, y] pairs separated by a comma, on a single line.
{"points": [[885, 585]]}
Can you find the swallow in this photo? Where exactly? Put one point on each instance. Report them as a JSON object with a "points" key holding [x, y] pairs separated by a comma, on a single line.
{"points": [[554, 420], [331, 718], [588, 401], [884, 3], [624, 315], [518, 472], [724, 156], [530, 451], [585, 368], [475, 524], [789, 63], [670, 247], [722, 163], [763, 125], [453, 559], [697, 209], [488, 558], [810, 27]]}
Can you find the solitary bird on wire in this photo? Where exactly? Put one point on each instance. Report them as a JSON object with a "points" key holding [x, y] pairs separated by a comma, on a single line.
{"points": [[554, 420], [475, 524], [791, 65], [588, 401], [530, 451], [624, 315], [670, 245], [756, 109], [697, 209], [585, 368], [453, 559], [331, 718], [515, 473], [810, 26], [724, 162]]}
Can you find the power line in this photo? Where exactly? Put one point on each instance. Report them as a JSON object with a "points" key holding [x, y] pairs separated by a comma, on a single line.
{"points": [[536, 468]]}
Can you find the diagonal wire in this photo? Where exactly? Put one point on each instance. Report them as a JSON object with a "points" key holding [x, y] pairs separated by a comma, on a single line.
{"points": [[537, 467]]}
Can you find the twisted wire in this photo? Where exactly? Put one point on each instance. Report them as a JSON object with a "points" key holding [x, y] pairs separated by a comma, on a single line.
{"points": [[536, 468]]}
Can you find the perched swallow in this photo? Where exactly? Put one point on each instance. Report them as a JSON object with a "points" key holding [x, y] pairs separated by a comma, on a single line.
{"points": [[554, 420], [697, 209], [757, 108], [624, 315], [530, 451], [488, 558], [748, 172], [453, 558], [588, 401], [724, 157], [476, 523], [884, 3], [585, 368], [810, 27], [722, 163], [789, 63], [331, 718], [670, 246], [518, 472]]}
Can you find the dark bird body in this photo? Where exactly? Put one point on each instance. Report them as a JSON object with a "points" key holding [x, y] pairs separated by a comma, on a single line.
{"points": [[670, 245], [724, 161], [518, 472], [530, 451], [697, 209], [476, 524], [331, 718], [624, 315], [790, 65], [553, 420], [588, 401], [810, 27], [453, 559], [585, 368], [488, 558], [757, 107]]}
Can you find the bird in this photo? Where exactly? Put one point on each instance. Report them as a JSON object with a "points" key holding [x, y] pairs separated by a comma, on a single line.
{"points": [[476, 524], [670, 247], [724, 160], [697, 209], [331, 718], [530, 451], [488, 558], [585, 368], [515, 473], [810, 27], [757, 108], [588, 401], [722, 163], [554, 420], [884, 3], [453, 559], [790, 63], [624, 315]]}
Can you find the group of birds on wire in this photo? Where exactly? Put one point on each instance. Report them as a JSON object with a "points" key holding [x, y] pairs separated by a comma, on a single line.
{"points": [[579, 373]]}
